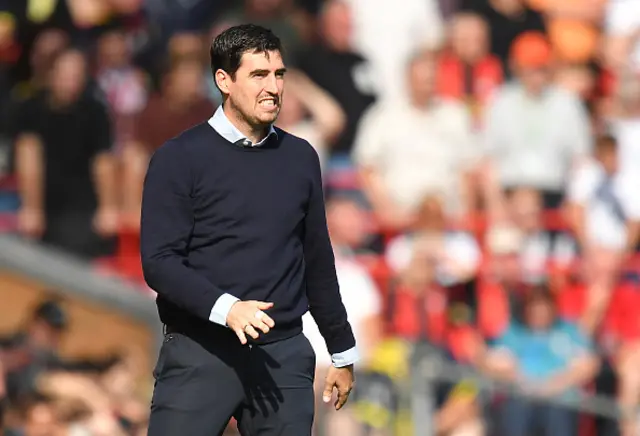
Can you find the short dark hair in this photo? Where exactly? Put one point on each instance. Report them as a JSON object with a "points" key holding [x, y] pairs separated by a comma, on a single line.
{"points": [[228, 47]]}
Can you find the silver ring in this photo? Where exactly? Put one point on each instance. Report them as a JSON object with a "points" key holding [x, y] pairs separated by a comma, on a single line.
{"points": [[259, 315]]}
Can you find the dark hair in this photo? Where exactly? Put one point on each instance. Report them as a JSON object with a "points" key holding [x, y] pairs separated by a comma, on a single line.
{"points": [[228, 47], [51, 312]]}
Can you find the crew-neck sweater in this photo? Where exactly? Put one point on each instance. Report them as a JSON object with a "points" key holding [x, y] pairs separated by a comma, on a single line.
{"points": [[219, 218]]}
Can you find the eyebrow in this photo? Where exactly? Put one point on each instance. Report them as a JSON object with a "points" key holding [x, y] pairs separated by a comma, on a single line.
{"points": [[263, 71]]}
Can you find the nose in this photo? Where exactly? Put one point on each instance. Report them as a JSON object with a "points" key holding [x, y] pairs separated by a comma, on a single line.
{"points": [[271, 85]]}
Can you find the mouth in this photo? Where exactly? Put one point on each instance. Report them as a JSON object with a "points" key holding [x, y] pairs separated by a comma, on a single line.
{"points": [[268, 103]]}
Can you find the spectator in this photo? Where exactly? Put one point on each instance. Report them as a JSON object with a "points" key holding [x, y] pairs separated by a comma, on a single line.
{"points": [[605, 216], [625, 122], [388, 36], [336, 66], [455, 253], [507, 20], [180, 105], [572, 27], [65, 170], [535, 132], [467, 71], [272, 14], [33, 349], [46, 48], [122, 84], [541, 250], [622, 27], [311, 113], [426, 131], [548, 358]]}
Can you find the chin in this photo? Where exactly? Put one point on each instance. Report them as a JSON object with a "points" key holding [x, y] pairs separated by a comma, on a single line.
{"points": [[267, 118]]}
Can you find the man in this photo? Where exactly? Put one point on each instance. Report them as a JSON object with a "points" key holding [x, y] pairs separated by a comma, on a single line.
{"points": [[429, 152], [535, 131], [65, 169], [234, 241]]}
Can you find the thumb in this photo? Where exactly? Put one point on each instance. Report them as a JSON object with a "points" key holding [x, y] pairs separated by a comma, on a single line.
{"points": [[328, 391], [264, 306]]}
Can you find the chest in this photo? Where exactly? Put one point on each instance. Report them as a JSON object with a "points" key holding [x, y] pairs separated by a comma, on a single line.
{"points": [[255, 191]]}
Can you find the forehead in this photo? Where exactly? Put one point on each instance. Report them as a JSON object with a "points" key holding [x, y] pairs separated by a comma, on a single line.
{"points": [[270, 60]]}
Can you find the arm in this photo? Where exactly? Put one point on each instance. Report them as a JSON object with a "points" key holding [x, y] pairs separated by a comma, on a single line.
{"points": [[579, 371], [30, 174], [104, 173], [581, 185], [326, 113], [166, 225], [325, 303], [30, 171]]}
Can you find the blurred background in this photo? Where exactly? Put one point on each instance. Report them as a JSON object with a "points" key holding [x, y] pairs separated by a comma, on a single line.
{"points": [[481, 161]]}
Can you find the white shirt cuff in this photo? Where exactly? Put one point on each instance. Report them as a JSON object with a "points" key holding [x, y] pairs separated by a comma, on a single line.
{"points": [[345, 358], [221, 309]]}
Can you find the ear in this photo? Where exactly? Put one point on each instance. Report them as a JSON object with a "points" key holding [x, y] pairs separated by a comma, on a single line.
{"points": [[223, 80]]}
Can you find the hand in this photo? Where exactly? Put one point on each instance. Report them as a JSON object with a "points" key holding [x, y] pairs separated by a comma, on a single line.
{"points": [[247, 317], [106, 221], [31, 222], [343, 380]]}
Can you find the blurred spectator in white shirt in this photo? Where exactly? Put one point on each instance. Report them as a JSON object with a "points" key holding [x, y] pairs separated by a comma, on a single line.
{"points": [[535, 131], [311, 113], [389, 33], [407, 150], [456, 253], [625, 122], [605, 216], [622, 29]]}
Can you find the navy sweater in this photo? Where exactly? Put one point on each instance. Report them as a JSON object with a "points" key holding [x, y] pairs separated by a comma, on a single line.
{"points": [[249, 221]]}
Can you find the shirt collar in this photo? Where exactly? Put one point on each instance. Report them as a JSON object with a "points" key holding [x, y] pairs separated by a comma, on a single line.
{"points": [[228, 131]]}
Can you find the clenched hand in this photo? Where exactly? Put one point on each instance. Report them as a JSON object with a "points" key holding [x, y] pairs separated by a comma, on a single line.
{"points": [[247, 318], [342, 380]]}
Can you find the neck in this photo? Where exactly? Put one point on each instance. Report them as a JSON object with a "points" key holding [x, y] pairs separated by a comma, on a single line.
{"points": [[252, 133]]}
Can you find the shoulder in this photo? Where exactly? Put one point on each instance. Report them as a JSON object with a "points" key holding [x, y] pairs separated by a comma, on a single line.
{"points": [[186, 142]]}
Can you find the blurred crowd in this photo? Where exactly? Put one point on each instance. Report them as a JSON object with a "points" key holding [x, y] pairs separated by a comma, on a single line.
{"points": [[480, 159], [43, 393]]}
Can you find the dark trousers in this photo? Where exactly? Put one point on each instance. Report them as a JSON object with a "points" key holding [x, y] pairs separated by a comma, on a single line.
{"points": [[520, 417], [201, 384]]}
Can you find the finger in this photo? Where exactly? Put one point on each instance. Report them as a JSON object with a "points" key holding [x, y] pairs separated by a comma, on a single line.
{"points": [[260, 325], [343, 396], [241, 336], [263, 305], [268, 320], [251, 332], [328, 391]]}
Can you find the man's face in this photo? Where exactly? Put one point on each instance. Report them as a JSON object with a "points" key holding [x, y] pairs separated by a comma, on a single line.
{"points": [[256, 91], [534, 79], [422, 75], [68, 76]]}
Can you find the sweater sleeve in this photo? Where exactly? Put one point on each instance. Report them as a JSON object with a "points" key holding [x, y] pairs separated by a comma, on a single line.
{"points": [[325, 302], [165, 230]]}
